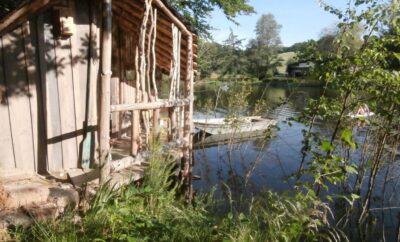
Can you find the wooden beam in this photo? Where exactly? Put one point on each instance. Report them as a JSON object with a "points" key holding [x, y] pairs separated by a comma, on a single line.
{"points": [[173, 18], [153, 105], [105, 95], [131, 17], [23, 13]]}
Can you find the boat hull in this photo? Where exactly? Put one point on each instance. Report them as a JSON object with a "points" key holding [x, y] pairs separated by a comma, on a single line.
{"points": [[219, 126]]}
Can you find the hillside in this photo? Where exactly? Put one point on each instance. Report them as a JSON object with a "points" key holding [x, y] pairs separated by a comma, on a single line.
{"points": [[286, 57]]}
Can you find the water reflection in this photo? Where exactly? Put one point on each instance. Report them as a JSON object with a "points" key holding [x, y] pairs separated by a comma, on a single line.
{"points": [[257, 163], [252, 165]]}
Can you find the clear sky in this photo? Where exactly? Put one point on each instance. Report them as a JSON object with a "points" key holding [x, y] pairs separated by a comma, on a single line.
{"points": [[300, 19]]}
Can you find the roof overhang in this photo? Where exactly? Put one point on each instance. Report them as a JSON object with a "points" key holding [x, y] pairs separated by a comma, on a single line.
{"points": [[21, 14]]}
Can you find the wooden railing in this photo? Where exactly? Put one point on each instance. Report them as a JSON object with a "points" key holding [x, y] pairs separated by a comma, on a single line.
{"points": [[149, 106]]}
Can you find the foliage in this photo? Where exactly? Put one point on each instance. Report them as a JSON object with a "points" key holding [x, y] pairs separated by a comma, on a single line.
{"points": [[233, 57], [297, 47], [259, 60], [263, 50], [197, 12], [360, 74], [267, 32], [209, 58], [152, 212]]}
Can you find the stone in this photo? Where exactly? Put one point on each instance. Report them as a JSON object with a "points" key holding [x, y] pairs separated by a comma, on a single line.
{"points": [[25, 194], [42, 212], [64, 198], [79, 177], [8, 218]]}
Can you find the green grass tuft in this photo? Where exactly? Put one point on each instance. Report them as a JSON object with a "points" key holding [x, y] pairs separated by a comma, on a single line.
{"points": [[152, 212]]}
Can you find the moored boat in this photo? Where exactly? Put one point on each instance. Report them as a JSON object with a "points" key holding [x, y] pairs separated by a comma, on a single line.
{"points": [[361, 115], [216, 126]]}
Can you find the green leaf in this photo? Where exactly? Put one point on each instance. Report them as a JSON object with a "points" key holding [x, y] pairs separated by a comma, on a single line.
{"points": [[347, 137], [326, 146], [242, 217], [354, 196], [351, 170]]}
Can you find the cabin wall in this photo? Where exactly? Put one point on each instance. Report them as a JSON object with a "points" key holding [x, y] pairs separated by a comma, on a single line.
{"points": [[44, 92]]}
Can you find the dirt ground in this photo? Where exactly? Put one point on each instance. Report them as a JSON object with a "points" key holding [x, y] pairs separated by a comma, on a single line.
{"points": [[3, 196]]}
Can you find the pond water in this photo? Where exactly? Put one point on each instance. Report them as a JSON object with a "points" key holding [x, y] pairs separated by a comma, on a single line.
{"points": [[255, 164]]}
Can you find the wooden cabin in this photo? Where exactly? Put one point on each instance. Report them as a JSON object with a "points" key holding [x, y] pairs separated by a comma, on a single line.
{"points": [[81, 78]]}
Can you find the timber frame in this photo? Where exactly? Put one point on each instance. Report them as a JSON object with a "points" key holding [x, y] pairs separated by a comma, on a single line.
{"points": [[143, 46]]}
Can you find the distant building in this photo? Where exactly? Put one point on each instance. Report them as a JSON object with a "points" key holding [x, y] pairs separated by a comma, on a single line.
{"points": [[299, 69]]}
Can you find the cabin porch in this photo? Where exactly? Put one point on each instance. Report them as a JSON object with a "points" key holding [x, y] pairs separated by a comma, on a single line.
{"points": [[119, 80]]}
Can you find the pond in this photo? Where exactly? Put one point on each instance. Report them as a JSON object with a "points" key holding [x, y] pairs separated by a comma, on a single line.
{"points": [[259, 162], [250, 166]]}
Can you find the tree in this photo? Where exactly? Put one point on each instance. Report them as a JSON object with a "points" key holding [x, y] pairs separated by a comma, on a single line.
{"points": [[233, 61], [267, 32], [298, 47], [359, 75], [351, 38], [209, 58], [263, 50], [198, 11]]}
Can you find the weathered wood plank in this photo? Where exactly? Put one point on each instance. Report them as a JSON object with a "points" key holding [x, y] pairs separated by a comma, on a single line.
{"points": [[36, 104], [7, 160], [153, 105], [48, 66], [121, 76], [18, 100], [40, 103], [80, 43], [94, 73], [114, 101], [67, 102]]}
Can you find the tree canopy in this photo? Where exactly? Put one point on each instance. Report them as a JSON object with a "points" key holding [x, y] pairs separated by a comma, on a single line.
{"points": [[267, 31], [263, 50], [198, 11], [231, 59]]}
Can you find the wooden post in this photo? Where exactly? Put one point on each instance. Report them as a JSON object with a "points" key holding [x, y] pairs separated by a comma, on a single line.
{"points": [[105, 105], [189, 95], [135, 128], [173, 133], [187, 149]]}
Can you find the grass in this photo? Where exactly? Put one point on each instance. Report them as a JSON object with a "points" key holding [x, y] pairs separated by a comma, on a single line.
{"points": [[152, 211], [294, 81], [286, 57]]}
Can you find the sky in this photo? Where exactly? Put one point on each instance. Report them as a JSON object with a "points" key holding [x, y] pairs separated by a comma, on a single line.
{"points": [[300, 19]]}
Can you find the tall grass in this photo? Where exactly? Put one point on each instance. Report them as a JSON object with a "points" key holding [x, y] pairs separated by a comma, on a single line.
{"points": [[153, 212]]}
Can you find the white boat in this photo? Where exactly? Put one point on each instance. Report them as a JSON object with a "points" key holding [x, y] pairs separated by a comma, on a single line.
{"points": [[216, 126], [207, 140], [364, 115]]}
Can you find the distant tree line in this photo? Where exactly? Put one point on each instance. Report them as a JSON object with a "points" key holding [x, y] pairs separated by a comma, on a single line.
{"points": [[258, 59]]}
